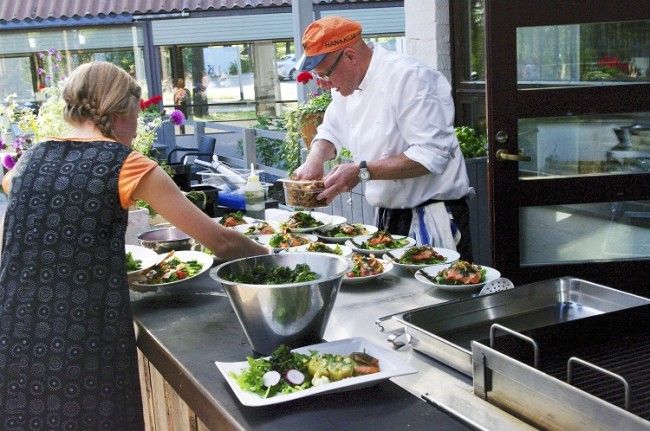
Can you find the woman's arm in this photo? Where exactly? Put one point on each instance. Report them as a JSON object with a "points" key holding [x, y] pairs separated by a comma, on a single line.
{"points": [[159, 191]]}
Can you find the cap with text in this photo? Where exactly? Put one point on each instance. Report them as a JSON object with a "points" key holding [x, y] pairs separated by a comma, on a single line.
{"points": [[326, 35]]}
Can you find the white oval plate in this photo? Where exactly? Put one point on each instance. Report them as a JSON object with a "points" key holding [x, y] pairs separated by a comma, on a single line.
{"points": [[247, 219], [205, 260], [391, 364], [243, 228], [345, 250], [450, 256], [265, 239], [146, 256], [323, 235], [335, 220], [388, 266], [360, 239], [321, 217], [490, 274]]}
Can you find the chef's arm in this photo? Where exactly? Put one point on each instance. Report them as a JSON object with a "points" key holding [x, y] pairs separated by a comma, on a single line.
{"points": [[320, 151], [394, 168], [344, 177]]}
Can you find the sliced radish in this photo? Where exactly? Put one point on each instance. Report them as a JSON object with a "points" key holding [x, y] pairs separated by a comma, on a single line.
{"points": [[271, 378], [295, 377]]}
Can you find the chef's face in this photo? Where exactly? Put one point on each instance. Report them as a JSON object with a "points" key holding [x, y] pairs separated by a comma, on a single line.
{"points": [[125, 126], [337, 71]]}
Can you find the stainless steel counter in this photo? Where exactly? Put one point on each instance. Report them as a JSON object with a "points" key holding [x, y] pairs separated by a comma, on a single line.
{"points": [[182, 333]]}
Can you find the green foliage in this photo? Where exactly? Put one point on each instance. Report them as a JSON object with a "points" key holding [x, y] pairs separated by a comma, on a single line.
{"points": [[293, 120], [471, 143], [269, 151]]}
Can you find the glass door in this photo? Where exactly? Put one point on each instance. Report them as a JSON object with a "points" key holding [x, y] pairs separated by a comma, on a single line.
{"points": [[568, 107]]}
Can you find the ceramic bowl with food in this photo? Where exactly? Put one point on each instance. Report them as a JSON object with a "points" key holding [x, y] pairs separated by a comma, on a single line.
{"points": [[273, 312], [303, 193]]}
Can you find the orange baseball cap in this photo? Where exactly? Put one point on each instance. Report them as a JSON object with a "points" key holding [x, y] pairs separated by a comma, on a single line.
{"points": [[326, 35]]}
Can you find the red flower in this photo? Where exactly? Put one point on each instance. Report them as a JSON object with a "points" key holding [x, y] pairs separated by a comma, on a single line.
{"points": [[613, 62], [304, 77], [151, 104]]}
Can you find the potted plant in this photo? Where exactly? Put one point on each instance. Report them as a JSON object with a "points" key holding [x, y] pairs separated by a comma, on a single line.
{"points": [[301, 122]]}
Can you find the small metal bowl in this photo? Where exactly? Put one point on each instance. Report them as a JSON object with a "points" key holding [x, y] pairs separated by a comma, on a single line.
{"points": [[166, 239]]}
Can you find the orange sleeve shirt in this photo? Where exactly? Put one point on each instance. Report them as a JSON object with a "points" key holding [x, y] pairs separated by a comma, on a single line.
{"points": [[135, 167]]}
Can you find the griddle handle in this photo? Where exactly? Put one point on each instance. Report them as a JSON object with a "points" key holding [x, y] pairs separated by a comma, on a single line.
{"points": [[496, 326], [574, 360]]}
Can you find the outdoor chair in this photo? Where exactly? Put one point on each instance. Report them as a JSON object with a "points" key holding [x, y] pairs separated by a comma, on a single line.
{"points": [[204, 152], [185, 170]]}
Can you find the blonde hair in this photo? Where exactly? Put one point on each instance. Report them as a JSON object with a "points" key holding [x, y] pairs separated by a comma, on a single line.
{"points": [[97, 90]]}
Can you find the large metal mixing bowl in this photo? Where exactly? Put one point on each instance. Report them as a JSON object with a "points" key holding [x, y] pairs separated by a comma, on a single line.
{"points": [[292, 314], [166, 239]]}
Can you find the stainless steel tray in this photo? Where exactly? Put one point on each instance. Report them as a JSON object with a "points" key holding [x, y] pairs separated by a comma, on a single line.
{"points": [[445, 331]]}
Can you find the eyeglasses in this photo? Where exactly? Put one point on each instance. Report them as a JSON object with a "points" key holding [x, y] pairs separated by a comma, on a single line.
{"points": [[327, 75]]}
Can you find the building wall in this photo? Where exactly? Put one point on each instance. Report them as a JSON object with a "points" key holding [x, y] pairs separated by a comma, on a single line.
{"points": [[428, 33]]}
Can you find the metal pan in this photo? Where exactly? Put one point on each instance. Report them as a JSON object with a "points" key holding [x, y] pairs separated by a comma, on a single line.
{"points": [[445, 331]]}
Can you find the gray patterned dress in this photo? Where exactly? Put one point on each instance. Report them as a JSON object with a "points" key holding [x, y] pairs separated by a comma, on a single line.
{"points": [[67, 346]]}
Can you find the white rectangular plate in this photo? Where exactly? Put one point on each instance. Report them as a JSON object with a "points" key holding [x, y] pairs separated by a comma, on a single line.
{"points": [[390, 364]]}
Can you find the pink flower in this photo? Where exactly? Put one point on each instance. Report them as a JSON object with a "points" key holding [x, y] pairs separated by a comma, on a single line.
{"points": [[177, 117], [8, 161], [304, 77]]}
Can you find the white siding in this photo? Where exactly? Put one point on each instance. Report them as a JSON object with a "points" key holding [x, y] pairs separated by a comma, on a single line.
{"points": [[276, 26]]}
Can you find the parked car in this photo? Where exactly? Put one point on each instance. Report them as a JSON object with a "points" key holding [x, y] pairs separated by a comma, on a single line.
{"points": [[286, 66]]}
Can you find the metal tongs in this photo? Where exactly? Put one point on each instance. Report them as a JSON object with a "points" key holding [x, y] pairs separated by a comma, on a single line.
{"points": [[228, 175], [137, 280]]}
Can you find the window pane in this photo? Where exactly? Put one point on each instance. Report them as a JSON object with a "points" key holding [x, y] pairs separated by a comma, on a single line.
{"points": [[585, 54], [218, 79], [40, 58], [582, 145], [585, 232], [477, 40]]}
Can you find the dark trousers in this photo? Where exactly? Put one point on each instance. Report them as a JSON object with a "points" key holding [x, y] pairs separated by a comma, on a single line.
{"points": [[398, 222]]}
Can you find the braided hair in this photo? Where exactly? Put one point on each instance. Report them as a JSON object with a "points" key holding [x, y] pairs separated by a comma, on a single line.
{"points": [[96, 91]]}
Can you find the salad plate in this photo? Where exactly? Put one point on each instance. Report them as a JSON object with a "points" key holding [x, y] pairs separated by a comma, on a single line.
{"points": [[428, 274], [390, 364], [355, 245], [244, 219], [345, 251], [332, 233], [322, 218], [388, 266], [450, 256], [146, 256], [253, 229], [266, 239], [205, 260]]}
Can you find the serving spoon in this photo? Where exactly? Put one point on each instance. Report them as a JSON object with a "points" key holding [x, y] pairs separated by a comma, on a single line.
{"points": [[426, 275]]}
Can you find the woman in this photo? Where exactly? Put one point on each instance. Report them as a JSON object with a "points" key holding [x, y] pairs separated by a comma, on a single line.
{"points": [[67, 346], [180, 99]]}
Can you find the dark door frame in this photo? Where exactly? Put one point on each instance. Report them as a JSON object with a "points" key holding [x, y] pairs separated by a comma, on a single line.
{"points": [[506, 103]]}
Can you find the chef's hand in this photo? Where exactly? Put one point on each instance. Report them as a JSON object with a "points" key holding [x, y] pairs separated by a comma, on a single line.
{"points": [[342, 178], [309, 171]]}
